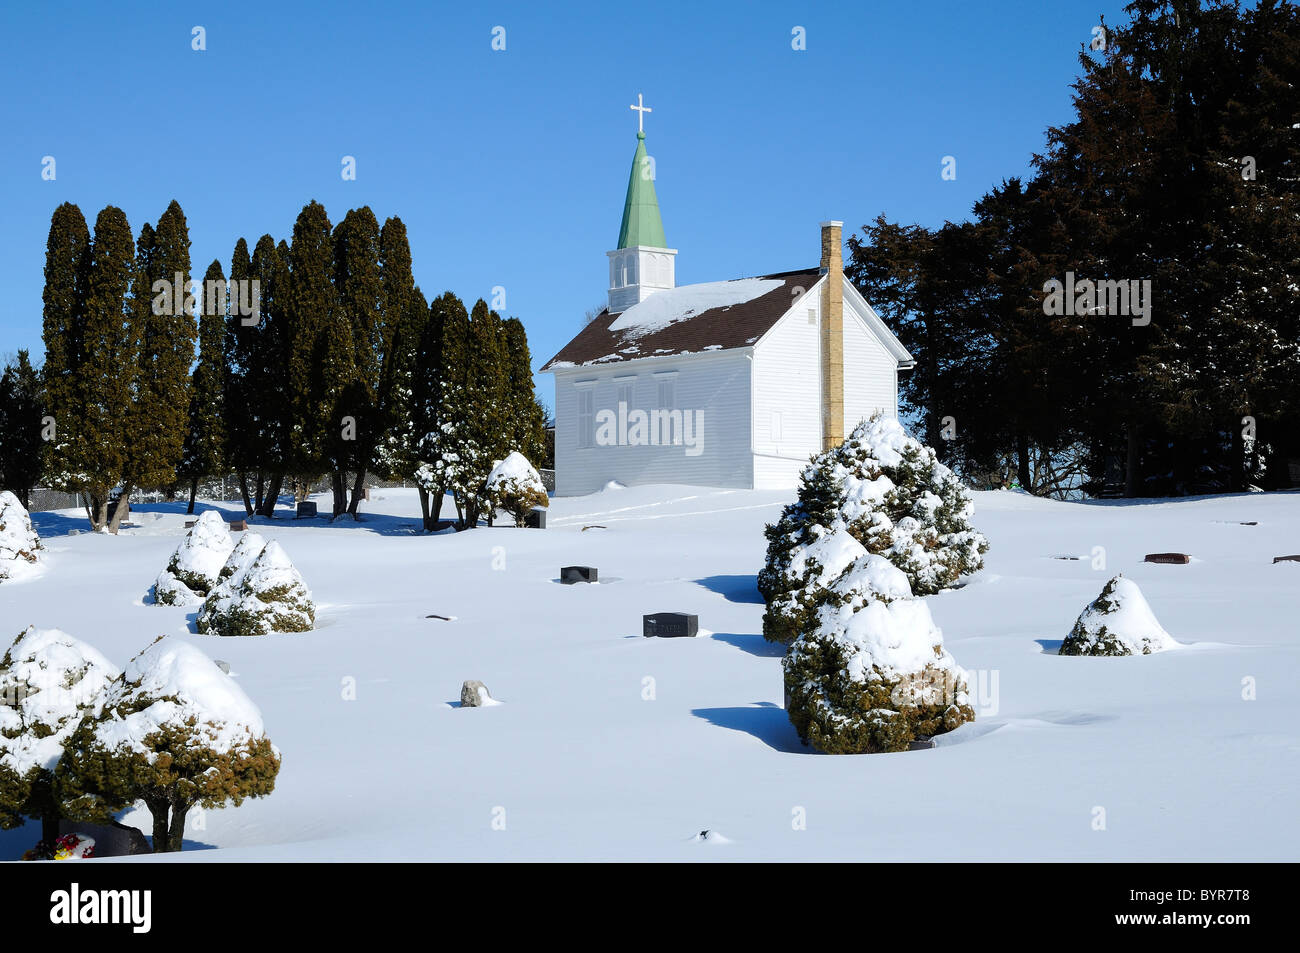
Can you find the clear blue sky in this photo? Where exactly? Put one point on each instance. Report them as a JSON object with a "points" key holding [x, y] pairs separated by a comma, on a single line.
{"points": [[509, 168]]}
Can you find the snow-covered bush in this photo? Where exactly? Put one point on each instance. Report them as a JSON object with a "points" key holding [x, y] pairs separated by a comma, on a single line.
{"points": [[515, 486], [872, 674], [893, 496], [20, 547], [48, 682], [194, 567], [174, 731], [267, 596], [1118, 622]]}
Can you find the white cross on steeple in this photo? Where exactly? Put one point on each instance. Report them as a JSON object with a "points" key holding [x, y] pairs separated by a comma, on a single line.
{"points": [[641, 110]]}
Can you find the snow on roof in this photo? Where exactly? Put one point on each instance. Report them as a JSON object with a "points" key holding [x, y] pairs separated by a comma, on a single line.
{"points": [[169, 682], [680, 304]]}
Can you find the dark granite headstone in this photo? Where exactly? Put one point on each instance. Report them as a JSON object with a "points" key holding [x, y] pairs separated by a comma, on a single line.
{"points": [[306, 510], [571, 574], [189, 524], [111, 840], [670, 625], [1286, 559], [1173, 559], [535, 519], [238, 526]]}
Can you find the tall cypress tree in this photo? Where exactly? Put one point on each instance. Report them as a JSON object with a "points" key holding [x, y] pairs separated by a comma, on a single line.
{"points": [[527, 417], [164, 327], [67, 267], [205, 442], [108, 372]]}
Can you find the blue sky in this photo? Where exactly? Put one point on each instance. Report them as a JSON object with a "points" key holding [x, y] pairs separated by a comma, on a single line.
{"points": [[509, 167]]}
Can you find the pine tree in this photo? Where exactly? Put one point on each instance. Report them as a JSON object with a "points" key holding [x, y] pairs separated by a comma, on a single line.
{"points": [[527, 417], [22, 451], [204, 451]]}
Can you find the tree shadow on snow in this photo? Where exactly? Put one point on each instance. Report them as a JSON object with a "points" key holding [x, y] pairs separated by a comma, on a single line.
{"points": [[764, 720], [49, 525], [1050, 646], [753, 644], [742, 588]]}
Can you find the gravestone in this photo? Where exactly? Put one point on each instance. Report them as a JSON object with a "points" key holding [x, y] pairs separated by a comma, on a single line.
{"points": [[111, 840], [365, 493], [670, 625], [535, 519], [238, 526], [306, 510], [1173, 559], [571, 574], [473, 694], [1285, 559], [189, 524], [224, 666]]}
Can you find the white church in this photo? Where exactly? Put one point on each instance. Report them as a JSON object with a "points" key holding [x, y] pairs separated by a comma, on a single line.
{"points": [[721, 384]]}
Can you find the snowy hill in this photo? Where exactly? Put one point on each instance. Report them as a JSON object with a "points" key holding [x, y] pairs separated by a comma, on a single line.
{"points": [[611, 746]]}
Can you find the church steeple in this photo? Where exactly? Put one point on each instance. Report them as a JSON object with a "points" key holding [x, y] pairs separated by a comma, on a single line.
{"points": [[641, 222], [642, 263]]}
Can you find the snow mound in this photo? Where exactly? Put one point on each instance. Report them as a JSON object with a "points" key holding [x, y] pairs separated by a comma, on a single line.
{"points": [[195, 566], [20, 547], [1118, 622], [271, 596], [664, 308], [167, 684], [48, 680], [514, 467]]}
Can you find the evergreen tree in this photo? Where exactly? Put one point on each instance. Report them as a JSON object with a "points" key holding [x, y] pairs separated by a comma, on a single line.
{"points": [[67, 267], [108, 373], [22, 450], [205, 442], [163, 329], [527, 417]]}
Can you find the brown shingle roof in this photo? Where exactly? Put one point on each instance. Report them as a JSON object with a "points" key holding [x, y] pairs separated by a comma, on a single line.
{"points": [[739, 325]]}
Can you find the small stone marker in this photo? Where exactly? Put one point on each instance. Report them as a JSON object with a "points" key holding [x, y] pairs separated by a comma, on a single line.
{"points": [[594, 526], [306, 510], [224, 666], [571, 574], [921, 743], [444, 618], [670, 625], [365, 493], [1285, 559], [1175, 559], [111, 840], [189, 524], [238, 526], [473, 694], [535, 519]]}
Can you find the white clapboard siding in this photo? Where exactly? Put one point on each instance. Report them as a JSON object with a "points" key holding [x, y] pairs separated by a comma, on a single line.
{"points": [[715, 384], [787, 395], [870, 371]]}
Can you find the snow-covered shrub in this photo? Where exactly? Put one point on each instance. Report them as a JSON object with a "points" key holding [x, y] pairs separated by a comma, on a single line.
{"points": [[515, 486], [1118, 622], [194, 567], [268, 596], [48, 682], [174, 731], [872, 674], [803, 581], [20, 547], [894, 497]]}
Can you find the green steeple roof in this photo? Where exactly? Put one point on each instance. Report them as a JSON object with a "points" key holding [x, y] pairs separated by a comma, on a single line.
{"points": [[641, 222]]}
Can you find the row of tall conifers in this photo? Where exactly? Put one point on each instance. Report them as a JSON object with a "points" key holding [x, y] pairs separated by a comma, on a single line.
{"points": [[309, 357]]}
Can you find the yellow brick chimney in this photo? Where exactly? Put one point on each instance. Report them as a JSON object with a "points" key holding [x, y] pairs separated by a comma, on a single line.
{"points": [[832, 334]]}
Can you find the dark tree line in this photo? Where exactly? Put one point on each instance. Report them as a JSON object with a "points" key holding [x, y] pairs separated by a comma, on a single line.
{"points": [[315, 357], [1180, 167]]}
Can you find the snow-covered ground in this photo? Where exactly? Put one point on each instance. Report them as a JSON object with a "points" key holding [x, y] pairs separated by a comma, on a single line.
{"points": [[611, 746]]}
